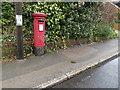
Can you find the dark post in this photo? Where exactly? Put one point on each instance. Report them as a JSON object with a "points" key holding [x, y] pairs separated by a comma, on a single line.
{"points": [[20, 54]]}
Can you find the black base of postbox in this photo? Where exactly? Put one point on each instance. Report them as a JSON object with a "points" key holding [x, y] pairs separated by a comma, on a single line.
{"points": [[38, 51]]}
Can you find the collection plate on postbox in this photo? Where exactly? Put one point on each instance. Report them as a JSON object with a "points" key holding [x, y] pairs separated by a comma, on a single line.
{"points": [[40, 27]]}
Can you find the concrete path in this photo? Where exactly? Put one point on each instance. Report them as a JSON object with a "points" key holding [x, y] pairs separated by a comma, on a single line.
{"points": [[43, 71]]}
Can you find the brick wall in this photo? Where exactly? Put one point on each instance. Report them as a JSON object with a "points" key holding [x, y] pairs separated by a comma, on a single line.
{"points": [[109, 11]]}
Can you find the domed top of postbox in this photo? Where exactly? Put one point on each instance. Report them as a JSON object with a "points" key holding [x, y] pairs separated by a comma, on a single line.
{"points": [[39, 15]]}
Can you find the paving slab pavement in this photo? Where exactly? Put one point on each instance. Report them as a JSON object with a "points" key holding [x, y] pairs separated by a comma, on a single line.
{"points": [[43, 71]]}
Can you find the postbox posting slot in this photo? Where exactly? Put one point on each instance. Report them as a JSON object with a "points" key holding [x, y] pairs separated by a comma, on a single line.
{"points": [[40, 21]]}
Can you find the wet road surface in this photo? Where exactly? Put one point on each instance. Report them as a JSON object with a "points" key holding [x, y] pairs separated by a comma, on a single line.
{"points": [[104, 76]]}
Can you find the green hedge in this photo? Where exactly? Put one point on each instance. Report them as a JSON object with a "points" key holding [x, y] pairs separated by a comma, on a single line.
{"points": [[65, 20], [118, 19]]}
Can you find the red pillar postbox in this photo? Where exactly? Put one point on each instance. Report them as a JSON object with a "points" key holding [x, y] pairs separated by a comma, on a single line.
{"points": [[39, 31]]}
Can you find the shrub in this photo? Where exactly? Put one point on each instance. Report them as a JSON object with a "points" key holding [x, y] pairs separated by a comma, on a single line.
{"points": [[118, 18], [105, 31]]}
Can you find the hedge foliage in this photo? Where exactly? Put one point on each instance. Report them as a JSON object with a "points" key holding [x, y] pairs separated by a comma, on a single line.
{"points": [[118, 19], [65, 20]]}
